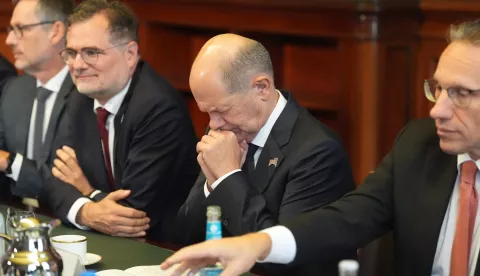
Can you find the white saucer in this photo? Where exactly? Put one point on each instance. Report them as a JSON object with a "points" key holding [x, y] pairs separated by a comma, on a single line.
{"points": [[92, 259]]}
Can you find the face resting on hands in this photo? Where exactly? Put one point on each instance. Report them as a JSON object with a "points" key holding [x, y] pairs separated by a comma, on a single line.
{"points": [[236, 100]]}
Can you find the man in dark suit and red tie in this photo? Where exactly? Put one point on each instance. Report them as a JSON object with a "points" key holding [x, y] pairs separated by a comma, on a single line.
{"points": [[425, 190], [265, 159], [132, 159]]}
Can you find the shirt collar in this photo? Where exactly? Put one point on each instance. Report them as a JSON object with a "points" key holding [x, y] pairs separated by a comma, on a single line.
{"points": [[262, 136], [113, 105], [54, 84], [464, 157]]}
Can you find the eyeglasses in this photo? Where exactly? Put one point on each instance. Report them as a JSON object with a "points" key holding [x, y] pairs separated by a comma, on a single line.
{"points": [[460, 96], [89, 55], [18, 29]]}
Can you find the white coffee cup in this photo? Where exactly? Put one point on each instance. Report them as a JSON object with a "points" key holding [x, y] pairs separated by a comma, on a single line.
{"points": [[76, 244]]}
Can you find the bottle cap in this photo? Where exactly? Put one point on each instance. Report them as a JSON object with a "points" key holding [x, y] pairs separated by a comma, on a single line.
{"points": [[214, 210], [348, 265]]}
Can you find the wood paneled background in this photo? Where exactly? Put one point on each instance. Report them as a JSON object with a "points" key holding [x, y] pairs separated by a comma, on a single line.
{"points": [[357, 65]]}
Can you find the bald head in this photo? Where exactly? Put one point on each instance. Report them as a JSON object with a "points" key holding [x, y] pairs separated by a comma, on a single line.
{"points": [[234, 60]]}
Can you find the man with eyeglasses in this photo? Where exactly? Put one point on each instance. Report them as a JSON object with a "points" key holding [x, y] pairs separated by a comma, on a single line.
{"points": [[32, 109], [132, 159], [425, 190]]}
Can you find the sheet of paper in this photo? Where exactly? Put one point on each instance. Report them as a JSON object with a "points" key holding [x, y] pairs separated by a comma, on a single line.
{"points": [[151, 270], [148, 270], [114, 272]]}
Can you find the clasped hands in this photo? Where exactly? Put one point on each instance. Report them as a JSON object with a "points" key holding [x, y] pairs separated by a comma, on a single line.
{"points": [[219, 153], [107, 215]]}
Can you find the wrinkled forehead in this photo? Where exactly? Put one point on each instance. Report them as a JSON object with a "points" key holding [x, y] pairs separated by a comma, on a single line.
{"points": [[459, 65]]}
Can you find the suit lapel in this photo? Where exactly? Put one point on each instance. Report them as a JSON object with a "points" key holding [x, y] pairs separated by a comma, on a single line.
{"points": [[23, 118], [272, 156], [263, 170], [119, 120], [439, 180], [58, 108], [90, 147]]}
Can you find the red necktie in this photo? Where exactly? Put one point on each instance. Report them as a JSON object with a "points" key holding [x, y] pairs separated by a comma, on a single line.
{"points": [[467, 210], [102, 115]]}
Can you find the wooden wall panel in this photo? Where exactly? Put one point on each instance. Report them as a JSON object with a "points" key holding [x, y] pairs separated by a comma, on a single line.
{"points": [[397, 82], [329, 55], [357, 66], [427, 59], [311, 71]]}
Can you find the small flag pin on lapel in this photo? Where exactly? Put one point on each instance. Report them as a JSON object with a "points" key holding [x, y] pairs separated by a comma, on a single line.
{"points": [[273, 161]]}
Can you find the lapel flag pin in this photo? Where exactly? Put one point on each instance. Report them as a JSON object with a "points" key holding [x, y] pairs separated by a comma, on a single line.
{"points": [[273, 161]]}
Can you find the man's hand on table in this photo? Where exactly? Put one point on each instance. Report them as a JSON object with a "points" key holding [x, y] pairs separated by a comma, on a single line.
{"points": [[237, 255], [109, 217]]}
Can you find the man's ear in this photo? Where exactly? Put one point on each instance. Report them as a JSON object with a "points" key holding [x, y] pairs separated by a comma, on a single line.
{"points": [[57, 32], [262, 86], [132, 53]]}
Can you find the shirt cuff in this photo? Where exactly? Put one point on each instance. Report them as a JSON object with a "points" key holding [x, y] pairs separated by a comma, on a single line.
{"points": [[94, 193], [215, 184], [72, 213], [16, 166], [284, 247]]}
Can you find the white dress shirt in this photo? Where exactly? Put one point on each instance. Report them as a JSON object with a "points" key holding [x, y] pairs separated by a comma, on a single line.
{"points": [[259, 140], [54, 85], [284, 247], [112, 106]]}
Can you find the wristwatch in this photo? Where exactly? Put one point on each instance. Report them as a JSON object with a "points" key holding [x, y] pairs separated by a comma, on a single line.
{"points": [[10, 160]]}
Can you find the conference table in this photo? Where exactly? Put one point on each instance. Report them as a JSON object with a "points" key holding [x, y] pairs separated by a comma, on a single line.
{"points": [[116, 252]]}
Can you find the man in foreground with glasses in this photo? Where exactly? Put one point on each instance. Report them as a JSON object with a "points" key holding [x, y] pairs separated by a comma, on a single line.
{"points": [[425, 190], [132, 160], [32, 121]]}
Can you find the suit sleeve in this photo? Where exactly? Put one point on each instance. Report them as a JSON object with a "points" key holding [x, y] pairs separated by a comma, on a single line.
{"points": [[349, 223], [32, 174], [31, 178], [319, 176], [4, 180], [150, 171], [352, 222]]}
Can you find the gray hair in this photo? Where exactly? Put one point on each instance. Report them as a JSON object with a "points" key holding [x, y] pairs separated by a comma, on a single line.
{"points": [[123, 23], [465, 31], [250, 60], [55, 10]]}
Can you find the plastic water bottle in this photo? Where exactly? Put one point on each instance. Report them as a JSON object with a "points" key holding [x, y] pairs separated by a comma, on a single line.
{"points": [[348, 268], [214, 232]]}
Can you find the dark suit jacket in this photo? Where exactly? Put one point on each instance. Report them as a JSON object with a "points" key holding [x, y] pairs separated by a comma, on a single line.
{"points": [[7, 71], [154, 149], [15, 113], [409, 192], [312, 171]]}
